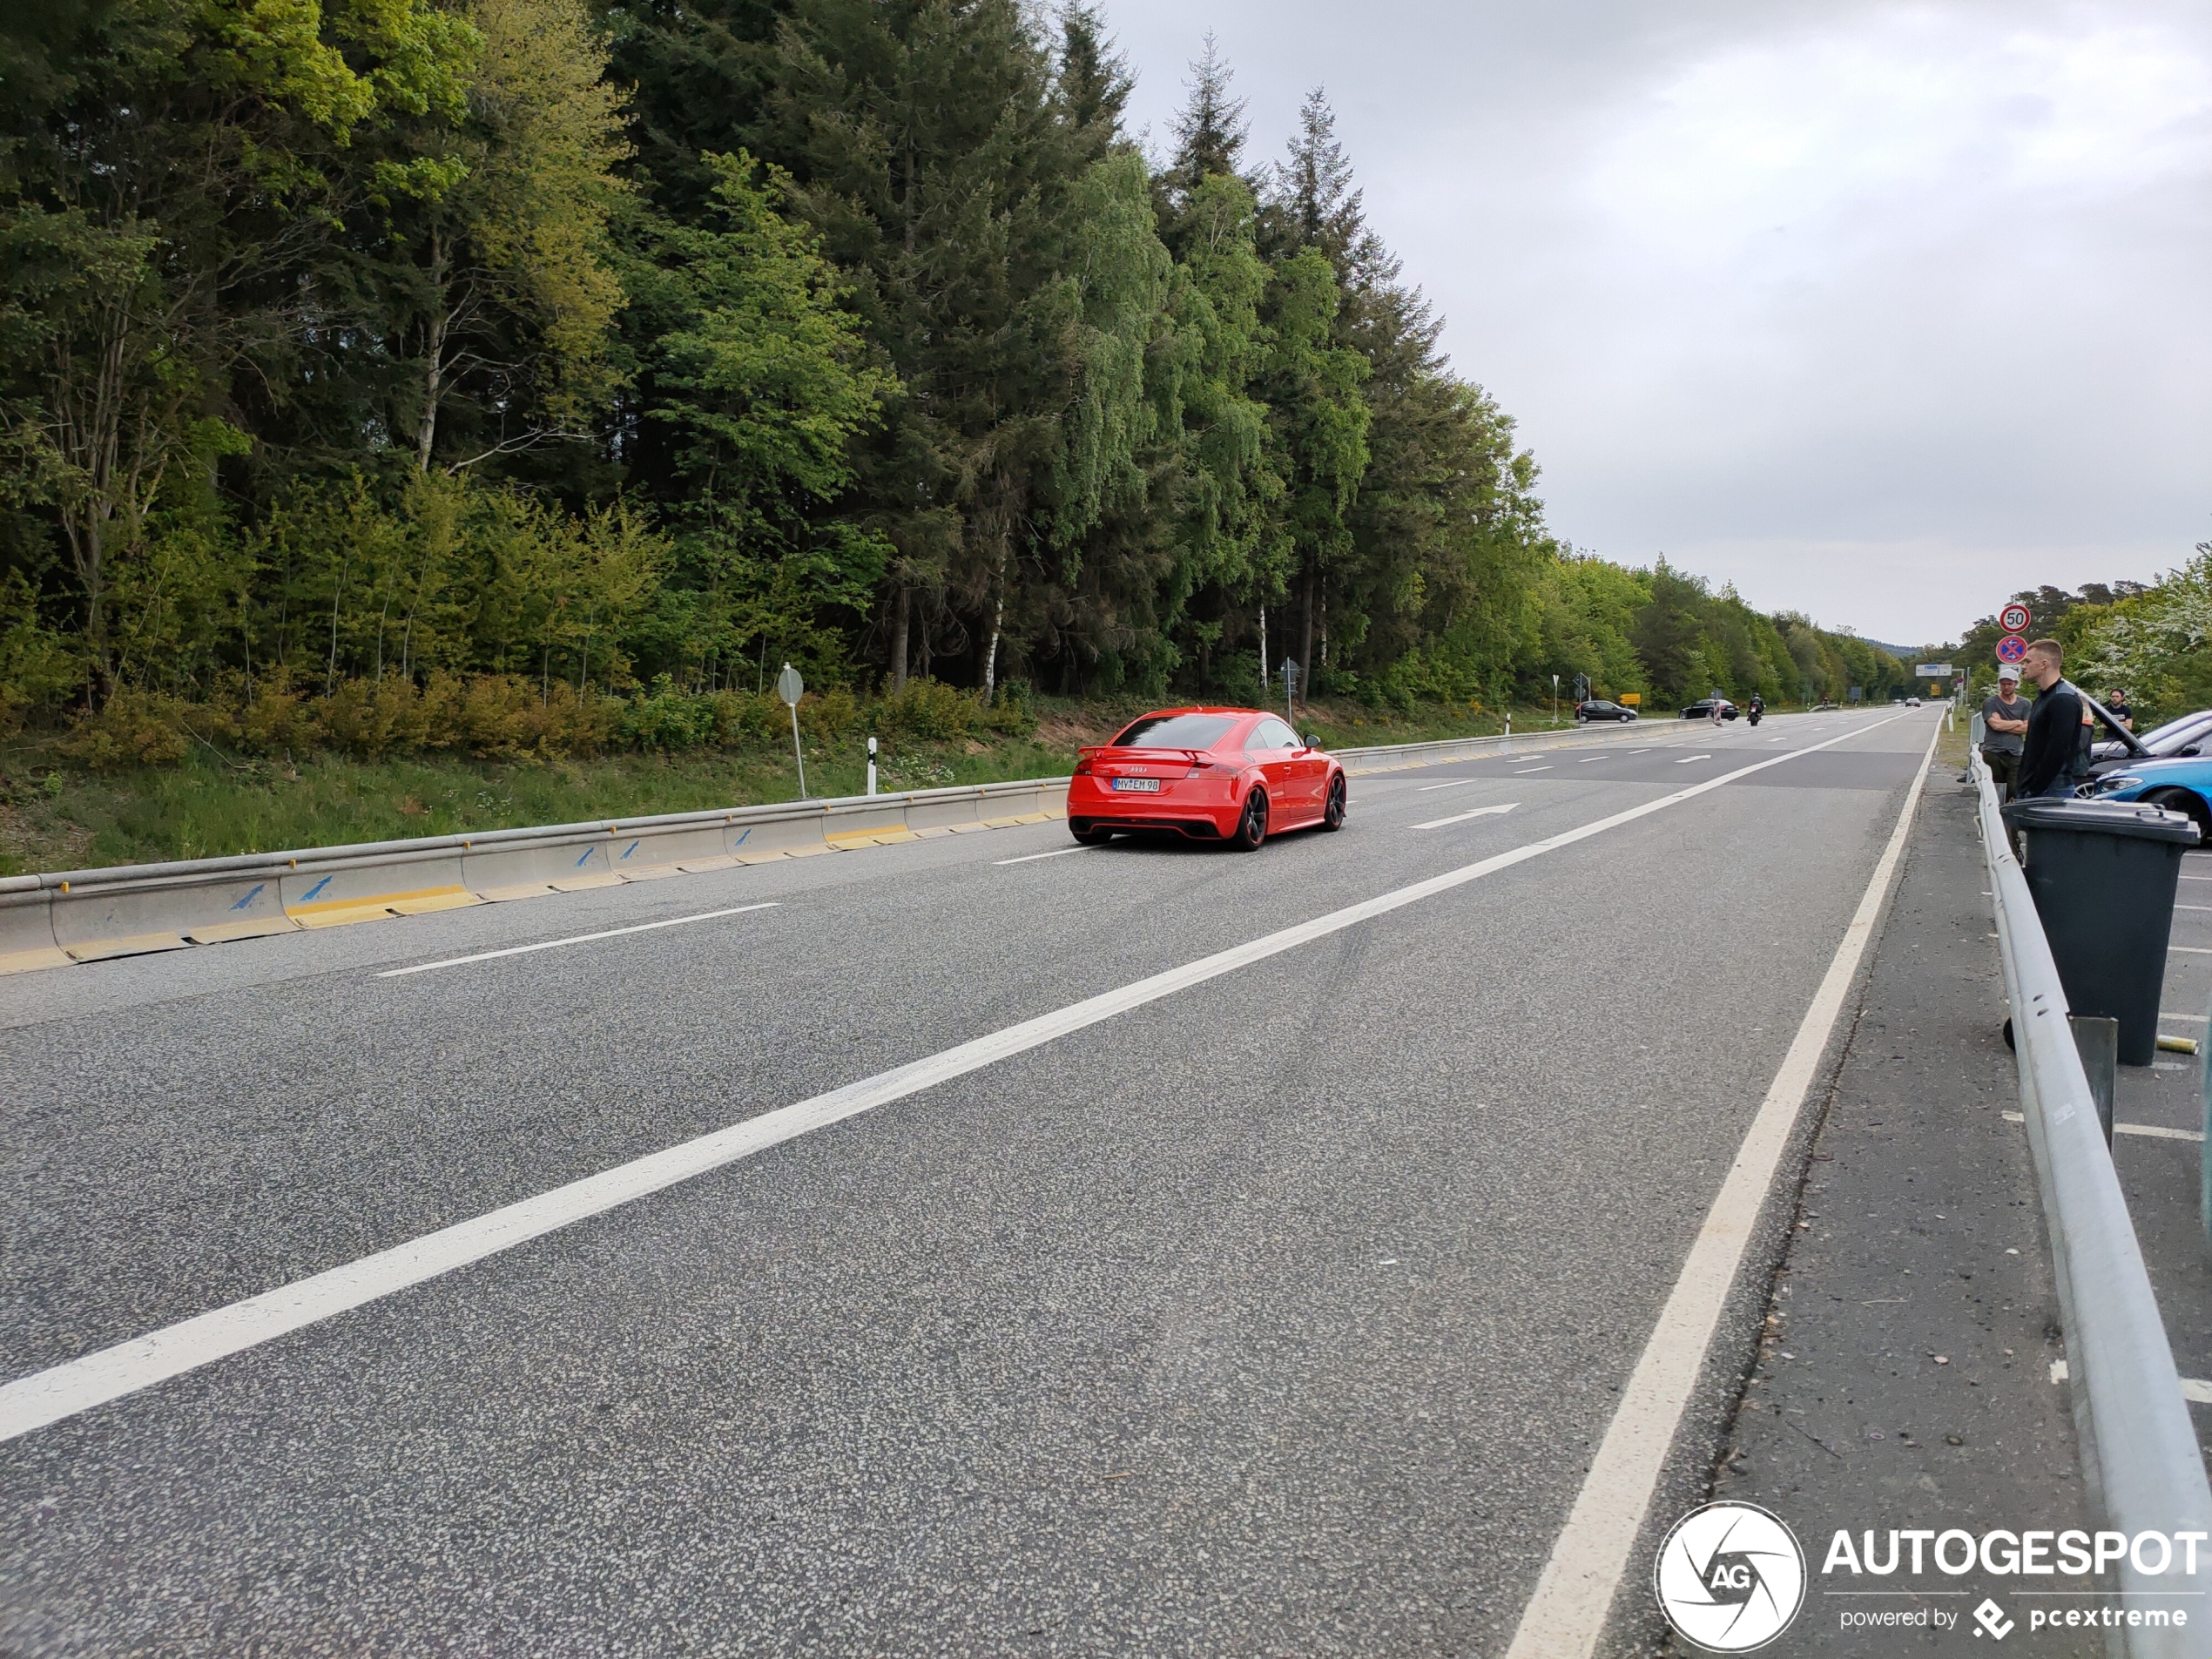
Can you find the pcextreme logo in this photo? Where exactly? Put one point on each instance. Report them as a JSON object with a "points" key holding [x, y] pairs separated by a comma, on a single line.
{"points": [[1729, 1577]]}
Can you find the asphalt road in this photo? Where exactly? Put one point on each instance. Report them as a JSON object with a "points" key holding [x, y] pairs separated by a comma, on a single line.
{"points": [[1276, 1315]]}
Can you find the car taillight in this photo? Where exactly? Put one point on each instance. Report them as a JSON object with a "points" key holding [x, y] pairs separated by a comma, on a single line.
{"points": [[1082, 767]]}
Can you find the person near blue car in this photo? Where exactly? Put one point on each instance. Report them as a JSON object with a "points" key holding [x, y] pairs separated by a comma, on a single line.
{"points": [[2055, 755]]}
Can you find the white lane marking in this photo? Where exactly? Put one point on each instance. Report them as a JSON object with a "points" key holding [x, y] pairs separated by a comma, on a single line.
{"points": [[2198, 878], [1686, 760], [2194, 1019], [2190, 950], [2154, 1132], [2193, 906], [1462, 818], [1454, 784], [2195, 1390], [1031, 857], [43, 1397], [1585, 763], [1565, 1615], [1646, 752], [576, 939], [1525, 771]]}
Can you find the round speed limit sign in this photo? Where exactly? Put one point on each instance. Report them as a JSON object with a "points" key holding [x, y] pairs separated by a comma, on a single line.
{"points": [[2014, 619]]}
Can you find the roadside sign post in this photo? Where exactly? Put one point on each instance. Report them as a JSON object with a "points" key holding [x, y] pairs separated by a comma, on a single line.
{"points": [[791, 688], [1290, 689]]}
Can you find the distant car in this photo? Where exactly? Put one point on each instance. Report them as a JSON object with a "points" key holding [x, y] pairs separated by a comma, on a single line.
{"points": [[2177, 739], [1702, 709], [1208, 774], [1598, 709], [2180, 784], [1912, 701]]}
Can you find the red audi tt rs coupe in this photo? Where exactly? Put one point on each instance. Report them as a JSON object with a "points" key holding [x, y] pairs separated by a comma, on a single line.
{"points": [[1233, 775]]}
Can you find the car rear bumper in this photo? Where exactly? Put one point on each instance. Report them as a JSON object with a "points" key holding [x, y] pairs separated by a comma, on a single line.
{"points": [[1180, 808]]}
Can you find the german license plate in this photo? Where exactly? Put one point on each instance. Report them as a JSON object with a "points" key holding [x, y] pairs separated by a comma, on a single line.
{"points": [[1138, 785]]}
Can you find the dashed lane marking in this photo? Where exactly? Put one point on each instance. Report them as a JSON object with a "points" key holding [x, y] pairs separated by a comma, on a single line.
{"points": [[1454, 784], [1031, 857], [1686, 760], [575, 939], [30, 1402], [1462, 818]]}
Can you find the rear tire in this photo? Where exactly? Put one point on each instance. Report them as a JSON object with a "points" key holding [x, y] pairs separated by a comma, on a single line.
{"points": [[1251, 828], [1332, 814]]}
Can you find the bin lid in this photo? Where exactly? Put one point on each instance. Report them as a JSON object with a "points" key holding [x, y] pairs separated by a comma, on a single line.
{"points": [[2129, 818]]}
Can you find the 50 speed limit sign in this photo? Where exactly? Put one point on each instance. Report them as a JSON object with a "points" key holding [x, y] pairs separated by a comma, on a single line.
{"points": [[2014, 619]]}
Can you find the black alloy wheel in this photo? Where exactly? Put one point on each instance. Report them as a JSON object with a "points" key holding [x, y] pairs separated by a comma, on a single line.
{"points": [[1332, 814], [1251, 828]]}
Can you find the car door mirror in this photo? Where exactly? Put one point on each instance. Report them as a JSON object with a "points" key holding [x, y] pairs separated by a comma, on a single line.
{"points": [[1313, 742], [2192, 751]]}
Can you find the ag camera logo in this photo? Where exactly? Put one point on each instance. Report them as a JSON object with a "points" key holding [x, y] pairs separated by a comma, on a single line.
{"points": [[1729, 1577]]}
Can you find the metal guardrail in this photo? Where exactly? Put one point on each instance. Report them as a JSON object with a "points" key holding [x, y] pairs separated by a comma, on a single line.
{"points": [[2139, 1450]]}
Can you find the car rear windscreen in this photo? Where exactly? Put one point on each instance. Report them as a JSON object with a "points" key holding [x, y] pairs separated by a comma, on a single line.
{"points": [[1176, 731]]}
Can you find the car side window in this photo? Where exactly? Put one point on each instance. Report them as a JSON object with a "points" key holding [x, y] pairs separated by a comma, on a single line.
{"points": [[1271, 734]]}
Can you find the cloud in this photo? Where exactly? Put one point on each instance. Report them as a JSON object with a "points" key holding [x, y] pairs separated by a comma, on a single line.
{"points": [[1877, 311]]}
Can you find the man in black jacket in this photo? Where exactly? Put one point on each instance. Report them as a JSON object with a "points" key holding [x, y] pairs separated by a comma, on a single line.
{"points": [[2051, 763]]}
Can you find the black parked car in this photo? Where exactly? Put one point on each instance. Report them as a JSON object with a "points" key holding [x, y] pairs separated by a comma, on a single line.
{"points": [[1702, 709], [1598, 709]]}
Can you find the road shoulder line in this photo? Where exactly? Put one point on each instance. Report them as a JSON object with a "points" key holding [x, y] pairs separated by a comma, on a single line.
{"points": [[1575, 1593]]}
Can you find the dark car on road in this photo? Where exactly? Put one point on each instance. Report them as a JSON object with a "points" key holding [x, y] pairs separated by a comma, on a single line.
{"points": [[1702, 709], [1598, 709]]}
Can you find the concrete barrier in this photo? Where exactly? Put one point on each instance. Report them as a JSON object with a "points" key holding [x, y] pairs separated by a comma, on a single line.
{"points": [[323, 895], [27, 927], [95, 920], [499, 872]]}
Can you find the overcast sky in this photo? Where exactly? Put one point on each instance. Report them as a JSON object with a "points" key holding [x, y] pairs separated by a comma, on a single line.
{"points": [[1881, 312]]}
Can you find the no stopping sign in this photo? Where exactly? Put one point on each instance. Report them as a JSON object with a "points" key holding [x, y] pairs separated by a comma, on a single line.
{"points": [[2011, 649]]}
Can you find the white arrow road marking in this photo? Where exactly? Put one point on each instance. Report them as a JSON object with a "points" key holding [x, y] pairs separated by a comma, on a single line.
{"points": [[1462, 818]]}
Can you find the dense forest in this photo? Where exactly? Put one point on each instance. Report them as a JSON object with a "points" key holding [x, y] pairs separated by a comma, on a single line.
{"points": [[548, 372]]}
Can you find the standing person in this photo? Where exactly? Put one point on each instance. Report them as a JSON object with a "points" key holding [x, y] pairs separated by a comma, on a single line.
{"points": [[2116, 706], [2003, 718], [2052, 751]]}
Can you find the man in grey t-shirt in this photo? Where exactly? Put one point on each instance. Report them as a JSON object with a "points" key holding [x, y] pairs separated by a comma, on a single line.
{"points": [[2005, 717]]}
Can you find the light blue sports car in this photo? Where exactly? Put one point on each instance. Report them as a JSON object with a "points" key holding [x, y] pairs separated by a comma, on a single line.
{"points": [[2180, 784]]}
